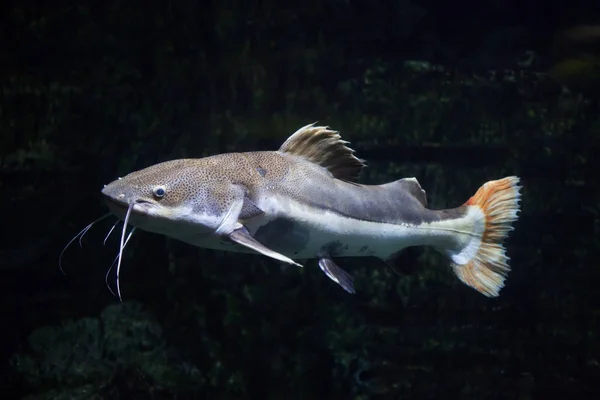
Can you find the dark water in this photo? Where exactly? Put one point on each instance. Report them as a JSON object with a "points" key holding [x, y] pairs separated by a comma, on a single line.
{"points": [[452, 93]]}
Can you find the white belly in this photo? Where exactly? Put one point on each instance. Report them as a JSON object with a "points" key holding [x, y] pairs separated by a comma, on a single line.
{"points": [[299, 231]]}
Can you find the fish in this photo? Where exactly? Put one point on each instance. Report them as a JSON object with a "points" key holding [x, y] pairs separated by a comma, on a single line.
{"points": [[303, 201]]}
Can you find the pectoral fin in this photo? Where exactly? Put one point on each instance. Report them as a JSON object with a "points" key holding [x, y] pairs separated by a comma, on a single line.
{"points": [[249, 210], [241, 209], [337, 274], [242, 237]]}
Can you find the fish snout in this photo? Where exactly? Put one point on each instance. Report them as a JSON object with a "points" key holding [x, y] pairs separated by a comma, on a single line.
{"points": [[116, 199], [112, 194]]}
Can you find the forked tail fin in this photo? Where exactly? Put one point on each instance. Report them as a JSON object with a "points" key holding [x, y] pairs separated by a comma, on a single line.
{"points": [[483, 263]]}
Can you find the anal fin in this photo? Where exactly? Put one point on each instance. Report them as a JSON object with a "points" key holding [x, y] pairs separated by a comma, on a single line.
{"points": [[405, 261], [242, 237], [337, 274]]}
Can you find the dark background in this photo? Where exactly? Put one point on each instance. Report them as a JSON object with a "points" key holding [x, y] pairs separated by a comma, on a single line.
{"points": [[454, 93]]}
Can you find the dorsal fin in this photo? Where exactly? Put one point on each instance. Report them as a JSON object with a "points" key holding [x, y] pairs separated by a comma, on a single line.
{"points": [[325, 147], [410, 185]]}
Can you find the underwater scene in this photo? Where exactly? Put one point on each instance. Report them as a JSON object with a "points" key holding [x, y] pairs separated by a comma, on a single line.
{"points": [[340, 199]]}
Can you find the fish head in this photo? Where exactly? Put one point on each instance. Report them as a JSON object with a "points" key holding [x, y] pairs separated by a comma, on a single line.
{"points": [[173, 198]]}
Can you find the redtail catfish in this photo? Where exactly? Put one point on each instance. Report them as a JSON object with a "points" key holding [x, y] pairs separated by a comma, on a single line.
{"points": [[302, 201]]}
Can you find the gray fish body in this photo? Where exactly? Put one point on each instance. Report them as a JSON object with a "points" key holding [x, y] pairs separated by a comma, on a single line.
{"points": [[309, 212], [301, 202]]}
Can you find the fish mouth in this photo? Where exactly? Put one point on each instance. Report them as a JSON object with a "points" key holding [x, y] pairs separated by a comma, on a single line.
{"points": [[120, 207]]}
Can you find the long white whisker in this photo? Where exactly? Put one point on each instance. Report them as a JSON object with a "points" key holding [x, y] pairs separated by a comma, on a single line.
{"points": [[79, 235], [87, 228], [109, 232], [108, 273], [125, 222], [115, 261]]}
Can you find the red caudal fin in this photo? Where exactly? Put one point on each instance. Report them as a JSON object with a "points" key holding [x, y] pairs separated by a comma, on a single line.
{"points": [[483, 264]]}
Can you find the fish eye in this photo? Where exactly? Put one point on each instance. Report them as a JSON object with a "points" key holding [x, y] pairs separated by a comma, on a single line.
{"points": [[159, 191]]}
